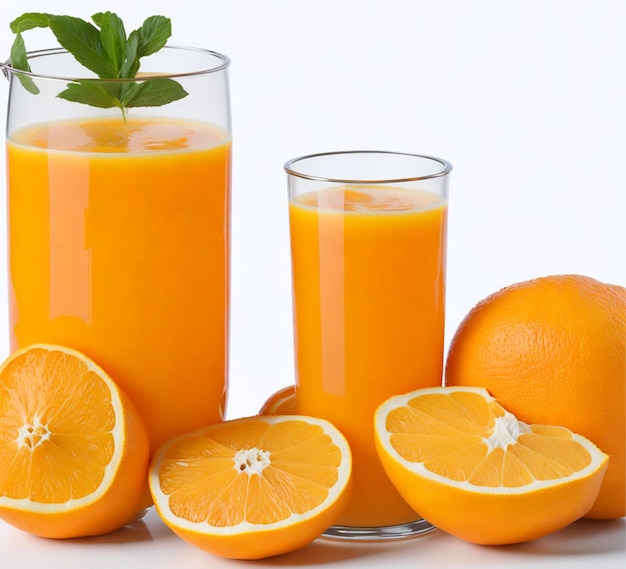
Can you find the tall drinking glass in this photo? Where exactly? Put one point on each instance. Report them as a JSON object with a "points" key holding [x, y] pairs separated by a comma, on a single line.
{"points": [[118, 230], [368, 244]]}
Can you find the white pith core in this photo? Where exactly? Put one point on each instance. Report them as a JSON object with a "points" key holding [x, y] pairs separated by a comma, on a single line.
{"points": [[251, 461], [506, 431], [32, 433]]}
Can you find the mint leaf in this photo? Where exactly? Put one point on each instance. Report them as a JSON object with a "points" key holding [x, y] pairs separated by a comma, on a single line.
{"points": [[146, 40], [19, 57], [131, 62], [113, 38], [153, 35], [19, 60], [82, 40], [105, 50], [154, 93], [29, 21], [91, 93]]}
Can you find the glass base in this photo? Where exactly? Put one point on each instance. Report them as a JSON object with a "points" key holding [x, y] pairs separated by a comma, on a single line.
{"points": [[382, 533]]}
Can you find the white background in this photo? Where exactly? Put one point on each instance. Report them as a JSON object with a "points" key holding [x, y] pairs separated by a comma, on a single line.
{"points": [[526, 98]]}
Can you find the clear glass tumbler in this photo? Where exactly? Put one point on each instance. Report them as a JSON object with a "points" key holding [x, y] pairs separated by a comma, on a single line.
{"points": [[118, 229], [368, 246]]}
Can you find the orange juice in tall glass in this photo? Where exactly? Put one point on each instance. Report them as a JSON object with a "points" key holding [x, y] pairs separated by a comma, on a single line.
{"points": [[118, 235], [368, 241]]}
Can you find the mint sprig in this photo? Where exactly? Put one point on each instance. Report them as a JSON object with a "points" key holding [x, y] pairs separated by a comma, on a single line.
{"points": [[106, 50]]}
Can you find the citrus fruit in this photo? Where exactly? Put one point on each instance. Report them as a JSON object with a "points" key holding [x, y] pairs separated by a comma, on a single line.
{"points": [[282, 402], [471, 468], [253, 487], [73, 451], [551, 350]]}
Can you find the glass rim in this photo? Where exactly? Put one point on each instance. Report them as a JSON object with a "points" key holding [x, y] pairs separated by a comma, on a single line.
{"points": [[289, 166], [224, 63]]}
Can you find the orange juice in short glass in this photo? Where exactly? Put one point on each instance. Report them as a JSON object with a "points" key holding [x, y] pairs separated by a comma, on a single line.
{"points": [[118, 235], [368, 242]]}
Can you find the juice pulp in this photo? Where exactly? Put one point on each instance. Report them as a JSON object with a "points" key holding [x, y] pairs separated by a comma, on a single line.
{"points": [[368, 275], [119, 247]]}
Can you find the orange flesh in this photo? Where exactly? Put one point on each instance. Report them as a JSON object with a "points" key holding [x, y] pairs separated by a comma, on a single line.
{"points": [[461, 452], [368, 270], [223, 491], [39, 441], [119, 247]]}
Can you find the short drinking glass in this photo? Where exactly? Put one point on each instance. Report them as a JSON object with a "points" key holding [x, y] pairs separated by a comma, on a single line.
{"points": [[368, 245]]}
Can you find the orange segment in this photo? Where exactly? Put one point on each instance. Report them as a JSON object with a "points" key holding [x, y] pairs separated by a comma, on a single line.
{"points": [[73, 451], [471, 468], [253, 487]]}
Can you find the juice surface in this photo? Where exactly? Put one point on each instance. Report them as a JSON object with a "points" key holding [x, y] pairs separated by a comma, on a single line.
{"points": [[119, 247], [368, 271]]}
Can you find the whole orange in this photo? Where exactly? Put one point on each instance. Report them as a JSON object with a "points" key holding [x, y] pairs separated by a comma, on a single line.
{"points": [[552, 351]]}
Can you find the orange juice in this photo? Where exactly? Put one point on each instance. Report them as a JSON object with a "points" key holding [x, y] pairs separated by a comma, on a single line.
{"points": [[368, 275], [119, 247]]}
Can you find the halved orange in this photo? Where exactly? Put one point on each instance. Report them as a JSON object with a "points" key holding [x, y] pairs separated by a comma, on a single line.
{"points": [[282, 402], [253, 487], [471, 468], [73, 450]]}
